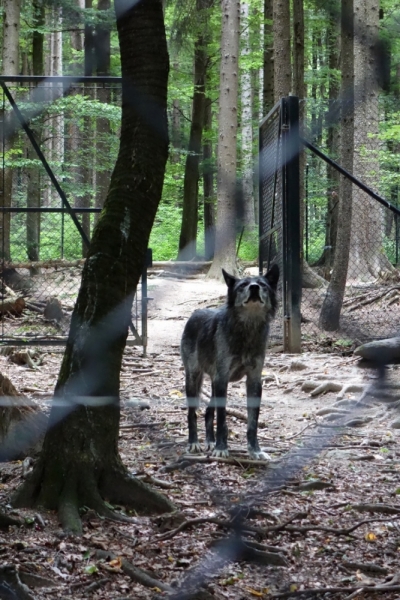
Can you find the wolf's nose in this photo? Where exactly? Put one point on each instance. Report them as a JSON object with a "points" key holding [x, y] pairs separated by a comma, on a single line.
{"points": [[254, 287]]}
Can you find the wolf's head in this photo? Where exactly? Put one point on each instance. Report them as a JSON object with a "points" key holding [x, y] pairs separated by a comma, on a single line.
{"points": [[253, 293]]}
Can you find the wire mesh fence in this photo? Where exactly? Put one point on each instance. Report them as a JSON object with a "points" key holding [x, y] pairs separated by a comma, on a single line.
{"points": [[371, 302], [59, 143]]}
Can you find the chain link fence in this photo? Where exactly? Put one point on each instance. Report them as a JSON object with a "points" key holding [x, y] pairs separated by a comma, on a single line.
{"points": [[59, 143]]}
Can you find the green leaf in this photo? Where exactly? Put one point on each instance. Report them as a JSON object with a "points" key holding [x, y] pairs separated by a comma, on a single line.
{"points": [[91, 570]]}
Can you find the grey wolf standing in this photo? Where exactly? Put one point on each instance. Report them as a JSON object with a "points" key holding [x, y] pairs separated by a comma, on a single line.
{"points": [[227, 344]]}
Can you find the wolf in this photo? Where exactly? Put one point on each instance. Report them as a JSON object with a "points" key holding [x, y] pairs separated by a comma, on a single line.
{"points": [[228, 343]]}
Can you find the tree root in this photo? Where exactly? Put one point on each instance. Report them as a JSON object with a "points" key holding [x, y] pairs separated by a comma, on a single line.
{"points": [[247, 553], [6, 521], [378, 508], [316, 388], [368, 568], [135, 573], [11, 585], [231, 460], [332, 530], [379, 589], [391, 294], [121, 488]]}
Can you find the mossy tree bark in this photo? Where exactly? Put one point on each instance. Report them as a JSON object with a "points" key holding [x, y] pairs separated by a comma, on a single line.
{"points": [[225, 230], [80, 464]]}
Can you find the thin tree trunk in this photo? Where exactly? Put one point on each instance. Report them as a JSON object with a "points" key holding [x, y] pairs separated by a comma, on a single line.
{"points": [[208, 186], [10, 66], [86, 134], [225, 239], [332, 305], [332, 43], [188, 235], [247, 196], [33, 187], [299, 90], [268, 62], [103, 130]]}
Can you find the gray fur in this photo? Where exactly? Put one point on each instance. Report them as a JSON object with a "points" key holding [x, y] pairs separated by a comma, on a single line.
{"points": [[227, 344]]}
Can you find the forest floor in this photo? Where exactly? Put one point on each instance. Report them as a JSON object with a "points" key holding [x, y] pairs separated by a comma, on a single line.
{"points": [[320, 520]]}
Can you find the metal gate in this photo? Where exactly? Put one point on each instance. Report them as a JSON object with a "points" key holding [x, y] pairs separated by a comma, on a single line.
{"points": [[59, 142], [279, 214]]}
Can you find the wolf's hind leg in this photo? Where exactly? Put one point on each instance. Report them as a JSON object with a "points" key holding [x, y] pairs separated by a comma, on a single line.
{"points": [[193, 386], [210, 410]]}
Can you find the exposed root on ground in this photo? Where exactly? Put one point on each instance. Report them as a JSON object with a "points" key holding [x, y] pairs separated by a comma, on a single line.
{"points": [[85, 486]]}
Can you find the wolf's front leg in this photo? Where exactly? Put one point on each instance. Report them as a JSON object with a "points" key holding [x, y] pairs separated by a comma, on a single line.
{"points": [[221, 446], [194, 446], [254, 387]]}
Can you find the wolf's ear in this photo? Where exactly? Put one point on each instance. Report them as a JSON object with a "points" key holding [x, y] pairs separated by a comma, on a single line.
{"points": [[229, 279], [272, 276]]}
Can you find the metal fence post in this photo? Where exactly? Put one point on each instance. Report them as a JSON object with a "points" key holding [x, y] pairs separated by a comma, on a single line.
{"points": [[291, 224]]}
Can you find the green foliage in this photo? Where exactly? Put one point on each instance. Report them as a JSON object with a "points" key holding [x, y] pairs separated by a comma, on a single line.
{"points": [[81, 112], [165, 233], [248, 249]]}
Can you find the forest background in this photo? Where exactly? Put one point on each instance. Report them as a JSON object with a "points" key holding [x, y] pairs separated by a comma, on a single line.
{"points": [[282, 48]]}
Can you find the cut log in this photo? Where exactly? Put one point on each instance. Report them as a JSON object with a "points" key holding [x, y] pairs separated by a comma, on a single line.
{"points": [[21, 425], [382, 351], [12, 306]]}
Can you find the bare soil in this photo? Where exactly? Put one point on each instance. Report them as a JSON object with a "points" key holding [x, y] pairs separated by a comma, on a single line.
{"points": [[323, 514]]}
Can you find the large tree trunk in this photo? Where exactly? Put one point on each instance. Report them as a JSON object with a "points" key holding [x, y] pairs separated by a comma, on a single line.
{"points": [[225, 238], [10, 66], [367, 258], [332, 305], [282, 62], [80, 464], [188, 235]]}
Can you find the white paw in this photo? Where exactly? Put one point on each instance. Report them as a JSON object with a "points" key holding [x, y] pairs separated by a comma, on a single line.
{"points": [[195, 448], [209, 446], [259, 455], [220, 453]]}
